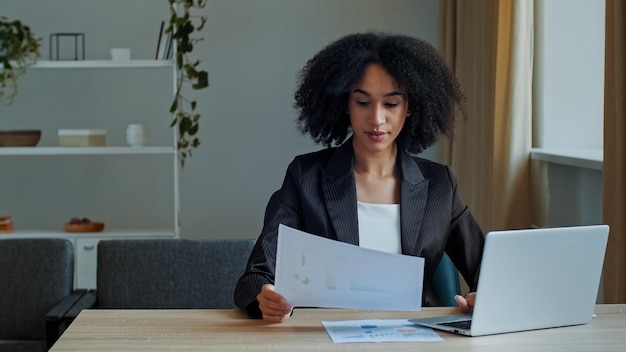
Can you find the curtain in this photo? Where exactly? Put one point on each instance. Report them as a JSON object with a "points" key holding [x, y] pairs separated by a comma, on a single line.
{"points": [[489, 46], [614, 171]]}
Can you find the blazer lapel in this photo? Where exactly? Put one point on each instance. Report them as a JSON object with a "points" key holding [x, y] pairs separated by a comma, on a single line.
{"points": [[340, 194], [413, 195]]}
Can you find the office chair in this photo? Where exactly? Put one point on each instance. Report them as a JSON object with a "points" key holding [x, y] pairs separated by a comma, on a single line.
{"points": [[446, 282]]}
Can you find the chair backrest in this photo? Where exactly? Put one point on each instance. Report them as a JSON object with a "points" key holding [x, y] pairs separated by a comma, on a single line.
{"points": [[35, 274], [170, 273], [446, 282]]}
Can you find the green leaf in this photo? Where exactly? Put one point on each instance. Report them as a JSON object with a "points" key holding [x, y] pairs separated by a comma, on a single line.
{"points": [[180, 59], [191, 72], [203, 80], [185, 124], [174, 106]]}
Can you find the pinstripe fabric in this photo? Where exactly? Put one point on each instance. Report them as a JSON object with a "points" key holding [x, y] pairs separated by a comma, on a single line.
{"points": [[318, 196]]}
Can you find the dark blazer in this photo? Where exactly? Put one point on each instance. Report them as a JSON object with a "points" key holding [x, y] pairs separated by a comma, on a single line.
{"points": [[318, 196]]}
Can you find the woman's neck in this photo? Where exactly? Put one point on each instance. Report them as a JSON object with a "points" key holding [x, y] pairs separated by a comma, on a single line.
{"points": [[382, 164], [377, 177]]}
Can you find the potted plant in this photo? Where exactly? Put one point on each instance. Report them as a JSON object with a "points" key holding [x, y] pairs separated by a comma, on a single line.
{"points": [[19, 49], [182, 26]]}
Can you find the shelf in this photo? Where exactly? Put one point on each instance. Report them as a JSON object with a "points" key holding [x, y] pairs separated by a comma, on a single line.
{"points": [[86, 150], [71, 64], [103, 234], [161, 154], [583, 158]]}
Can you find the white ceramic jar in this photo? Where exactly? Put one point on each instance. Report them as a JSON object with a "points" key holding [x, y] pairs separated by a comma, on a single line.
{"points": [[137, 135]]}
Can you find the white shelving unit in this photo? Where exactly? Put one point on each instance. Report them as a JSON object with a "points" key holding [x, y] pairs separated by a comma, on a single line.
{"points": [[87, 151], [69, 64], [85, 244]]}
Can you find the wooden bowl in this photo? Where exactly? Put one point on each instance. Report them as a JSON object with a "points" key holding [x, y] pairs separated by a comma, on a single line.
{"points": [[93, 226], [19, 138], [6, 224]]}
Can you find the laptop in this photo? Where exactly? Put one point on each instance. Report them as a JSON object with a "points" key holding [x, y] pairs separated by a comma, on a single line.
{"points": [[533, 279]]}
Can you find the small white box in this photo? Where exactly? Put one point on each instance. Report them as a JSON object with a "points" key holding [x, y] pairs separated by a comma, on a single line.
{"points": [[120, 54], [82, 138]]}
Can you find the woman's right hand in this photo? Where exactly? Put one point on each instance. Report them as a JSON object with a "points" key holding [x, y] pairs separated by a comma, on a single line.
{"points": [[274, 306], [466, 303]]}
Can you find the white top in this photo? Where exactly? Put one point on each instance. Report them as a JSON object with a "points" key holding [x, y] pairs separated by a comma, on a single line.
{"points": [[379, 227]]}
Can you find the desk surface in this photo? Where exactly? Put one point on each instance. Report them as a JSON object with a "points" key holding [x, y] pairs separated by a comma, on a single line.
{"points": [[230, 330]]}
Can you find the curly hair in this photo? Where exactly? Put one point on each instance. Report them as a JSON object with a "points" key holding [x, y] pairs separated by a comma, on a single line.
{"points": [[428, 85]]}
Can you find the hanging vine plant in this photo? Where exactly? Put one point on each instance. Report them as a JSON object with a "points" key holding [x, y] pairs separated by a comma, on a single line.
{"points": [[184, 27], [19, 49]]}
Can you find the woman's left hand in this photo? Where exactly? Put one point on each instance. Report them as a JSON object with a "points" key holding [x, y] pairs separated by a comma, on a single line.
{"points": [[466, 303]]}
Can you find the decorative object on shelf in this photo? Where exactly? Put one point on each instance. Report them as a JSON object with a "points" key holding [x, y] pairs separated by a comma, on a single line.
{"points": [[182, 26], [120, 54], [19, 138], [76, 36], [82, 138], [19, 49], [164, 45], [137, 135], [6, 224], [83, 225]]}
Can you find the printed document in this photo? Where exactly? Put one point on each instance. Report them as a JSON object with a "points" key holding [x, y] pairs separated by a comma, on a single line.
{"points": [[312, 271], [378, 330]]}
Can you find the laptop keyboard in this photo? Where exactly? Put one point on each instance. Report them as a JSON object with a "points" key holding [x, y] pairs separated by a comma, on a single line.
{"points": [[461, 324]]}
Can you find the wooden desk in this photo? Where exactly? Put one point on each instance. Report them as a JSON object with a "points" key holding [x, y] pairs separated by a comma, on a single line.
{"points": [[230, 330]]}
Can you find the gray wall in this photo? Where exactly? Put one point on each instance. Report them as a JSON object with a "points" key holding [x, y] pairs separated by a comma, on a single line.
{"points": [[253, 50]]}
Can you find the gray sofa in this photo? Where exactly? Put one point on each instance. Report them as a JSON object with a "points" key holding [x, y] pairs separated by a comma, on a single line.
{"points": [[36, 276], [171, 273]]}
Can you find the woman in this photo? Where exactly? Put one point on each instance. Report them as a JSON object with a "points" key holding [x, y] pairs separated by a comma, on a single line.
{"points": [[380, 99]]}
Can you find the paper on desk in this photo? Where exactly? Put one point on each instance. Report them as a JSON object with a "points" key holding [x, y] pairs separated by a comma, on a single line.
{"points": [[312, 271], [378, 330]]}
